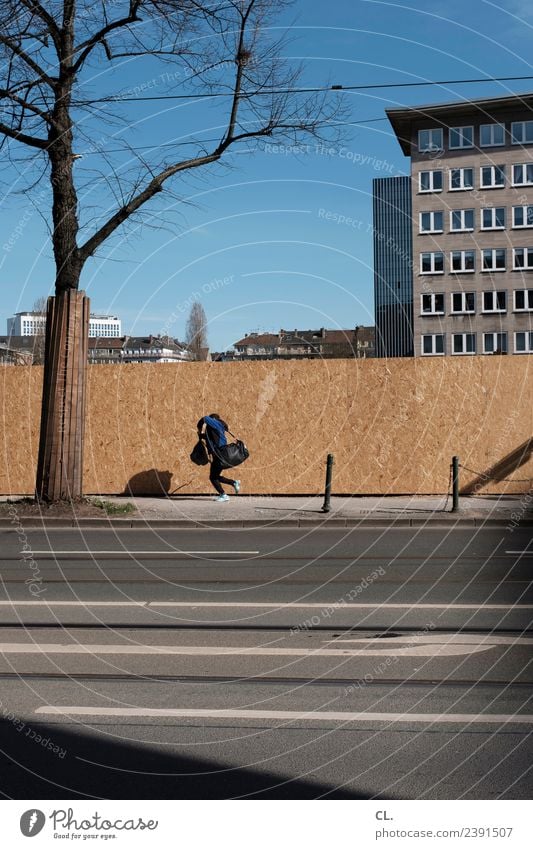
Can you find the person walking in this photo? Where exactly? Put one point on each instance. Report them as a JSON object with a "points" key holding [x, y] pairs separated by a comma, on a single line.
{"points": [[215, 437]]}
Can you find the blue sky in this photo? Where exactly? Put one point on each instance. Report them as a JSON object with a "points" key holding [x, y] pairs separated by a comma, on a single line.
{"points": [[277, 238]]}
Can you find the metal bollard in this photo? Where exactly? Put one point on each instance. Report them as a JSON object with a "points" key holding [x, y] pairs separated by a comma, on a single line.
{"points": [[326, 507], [455, 485]]}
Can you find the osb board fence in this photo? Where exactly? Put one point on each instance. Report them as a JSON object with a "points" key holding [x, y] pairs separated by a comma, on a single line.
{"points": [[393, 425]]}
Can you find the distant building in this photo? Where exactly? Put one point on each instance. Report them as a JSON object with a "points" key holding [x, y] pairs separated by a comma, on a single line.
{"points": [[33, 324], [20, 350], [16, 350], [305, 344], [104, 325], [153, 349], [137, 349], [393, 266]]}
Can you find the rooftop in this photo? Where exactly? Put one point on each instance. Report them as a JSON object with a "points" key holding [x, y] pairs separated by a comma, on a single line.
{"points": [[403, 119]]}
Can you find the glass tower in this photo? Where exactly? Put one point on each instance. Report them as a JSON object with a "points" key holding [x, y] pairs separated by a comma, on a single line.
{"points": [[393, 266]]}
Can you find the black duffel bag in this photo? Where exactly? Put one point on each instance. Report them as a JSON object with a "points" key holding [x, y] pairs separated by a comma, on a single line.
{"points": [[199, 454], [232, 454]]}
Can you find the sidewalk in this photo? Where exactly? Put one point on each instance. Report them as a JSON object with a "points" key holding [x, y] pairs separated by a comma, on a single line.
{"points": [[301, 511]]}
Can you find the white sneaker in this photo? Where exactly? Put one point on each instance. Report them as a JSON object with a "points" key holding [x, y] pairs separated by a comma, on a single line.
{"points": [[223, 497], [237, 487]]}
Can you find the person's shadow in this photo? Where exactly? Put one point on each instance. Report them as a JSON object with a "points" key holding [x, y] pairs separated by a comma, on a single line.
{"points": [[152, 482]]}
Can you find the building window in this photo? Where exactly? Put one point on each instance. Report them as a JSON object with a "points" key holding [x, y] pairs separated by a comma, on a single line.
{"points": [[493, 218], [461, 137], [433, 344], [523, 174], [461, 220], [432, 263], [461, 179], [522, 216], [523, 300], [522, 132], [463, 343], [463, 261], [463, 302], [523, 259], [495, 343], [491, 135], [431, 222], [430, 140], [430, 181], [523, 343], [494, 301], [493, 259], [492, 176], [432, 304]]}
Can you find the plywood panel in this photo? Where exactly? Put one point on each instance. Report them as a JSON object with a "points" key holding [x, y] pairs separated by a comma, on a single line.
{"points": [[393, 425]]}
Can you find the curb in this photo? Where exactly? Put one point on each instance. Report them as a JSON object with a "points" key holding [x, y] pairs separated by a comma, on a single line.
{"points": [[445, 520]]}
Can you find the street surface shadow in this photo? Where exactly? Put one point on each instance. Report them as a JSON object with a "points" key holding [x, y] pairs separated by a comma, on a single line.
{"points": [[77, 763], [502, 469], [152, 482]]}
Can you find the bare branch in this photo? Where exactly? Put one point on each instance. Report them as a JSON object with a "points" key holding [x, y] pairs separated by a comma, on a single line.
{"points": [[10, 95], [39, 10], [154, 187], [17, 49], [31, 141], [99, 37]]}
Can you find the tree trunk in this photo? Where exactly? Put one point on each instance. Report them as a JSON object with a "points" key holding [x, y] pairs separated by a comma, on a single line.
{"points": [[60, 463]]}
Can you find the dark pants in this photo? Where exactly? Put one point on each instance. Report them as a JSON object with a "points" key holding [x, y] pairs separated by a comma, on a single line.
{"points": [[216, 478]]}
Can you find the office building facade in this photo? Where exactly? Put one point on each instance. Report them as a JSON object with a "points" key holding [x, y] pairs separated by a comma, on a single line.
{"points": [[472, 222], [34, 323], [393, 266]]}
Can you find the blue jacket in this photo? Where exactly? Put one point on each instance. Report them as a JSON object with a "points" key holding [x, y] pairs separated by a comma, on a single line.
{"points": [[215, 432]]}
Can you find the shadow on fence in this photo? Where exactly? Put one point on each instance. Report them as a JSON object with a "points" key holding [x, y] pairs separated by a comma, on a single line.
{"points": [[150, 482], [501, 470]]}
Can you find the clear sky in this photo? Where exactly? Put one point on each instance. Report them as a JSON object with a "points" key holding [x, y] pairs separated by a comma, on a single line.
{"points": [[280, 238]]}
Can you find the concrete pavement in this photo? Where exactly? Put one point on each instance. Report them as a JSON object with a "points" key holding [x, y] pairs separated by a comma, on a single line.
{"points": [[298, 511]]}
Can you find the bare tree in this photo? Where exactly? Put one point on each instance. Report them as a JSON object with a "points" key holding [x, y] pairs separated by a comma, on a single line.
{"points": [[49, 111], [196, 331], [39, 308]]}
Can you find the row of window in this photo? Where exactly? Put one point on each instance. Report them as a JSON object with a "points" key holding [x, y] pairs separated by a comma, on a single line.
{"points": [[488, 135], [464, 220], [465, 302], [462, 262], [434, 344], [462, 179]]}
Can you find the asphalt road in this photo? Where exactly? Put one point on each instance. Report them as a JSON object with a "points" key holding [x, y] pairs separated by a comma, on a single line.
{"points": [[289, 663]]}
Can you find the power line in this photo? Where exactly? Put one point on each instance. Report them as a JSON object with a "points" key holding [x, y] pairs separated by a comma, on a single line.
{"points": [[206, 141], [124, 99]]}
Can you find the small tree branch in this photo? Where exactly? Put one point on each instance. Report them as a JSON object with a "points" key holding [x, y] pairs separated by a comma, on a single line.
{"points": [[10, 95], [87, 46], [153, 187], [39, 10], [17, 49], [42, 144]]}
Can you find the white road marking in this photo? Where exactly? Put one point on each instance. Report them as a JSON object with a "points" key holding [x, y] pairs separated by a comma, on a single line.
{"points": [[523, 553], [337, 716], [246, 651], [73, 603], [265, 605], [336, 605], [458, 639], [48, 555]]}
